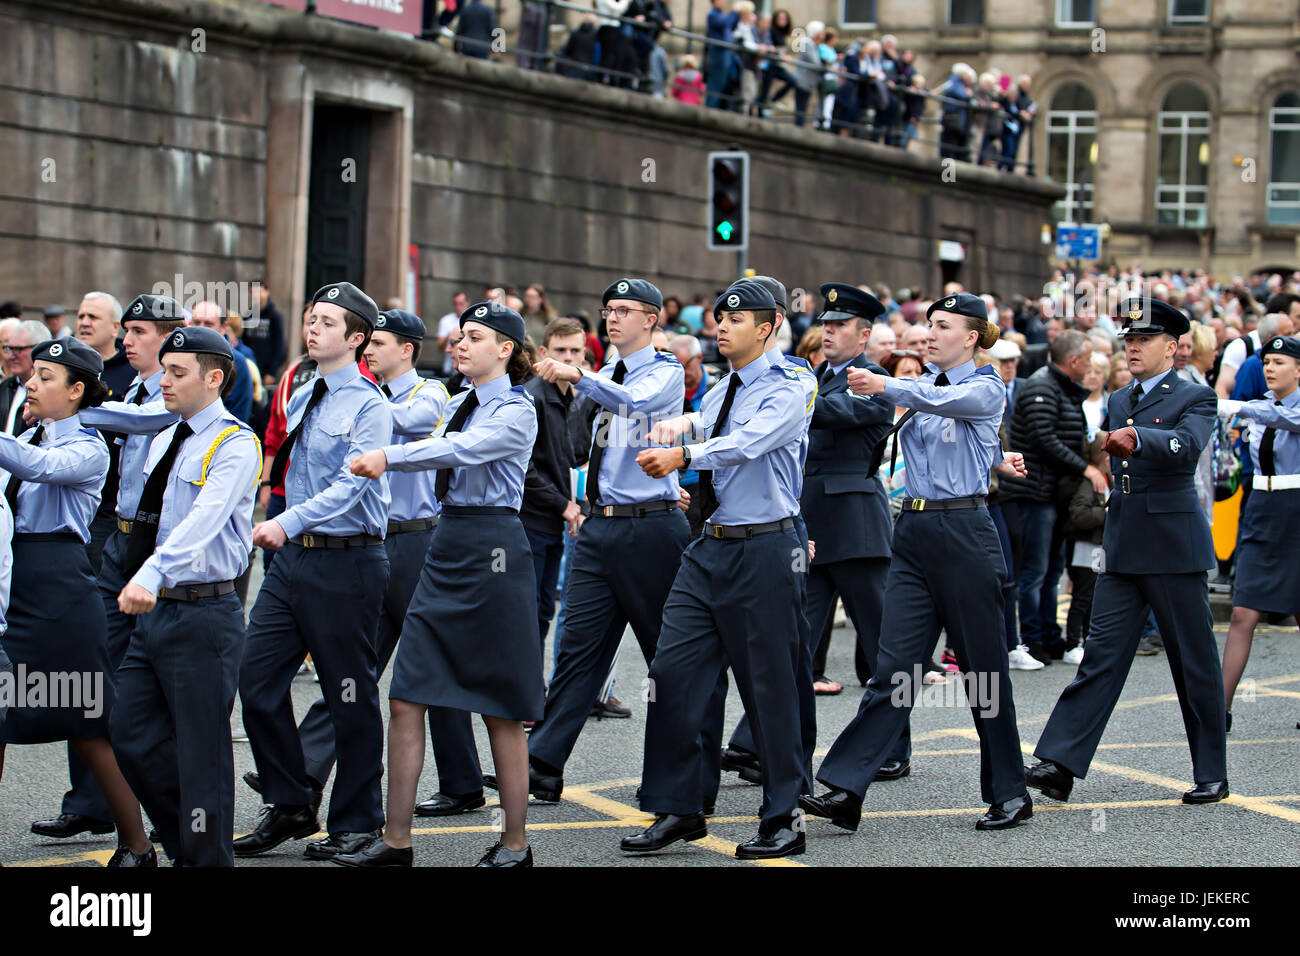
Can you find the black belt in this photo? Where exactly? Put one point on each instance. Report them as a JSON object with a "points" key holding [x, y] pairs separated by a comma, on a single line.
{"points": [[124, 526], [331, 541], [747, 530], [194, 592], [632, 511], [1137, 484], [414, 524], [48, 536], [478, 510], [945, 504]]}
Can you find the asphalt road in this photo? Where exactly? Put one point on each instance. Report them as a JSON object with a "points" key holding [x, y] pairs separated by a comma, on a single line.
{"points": [[1127, 812]]}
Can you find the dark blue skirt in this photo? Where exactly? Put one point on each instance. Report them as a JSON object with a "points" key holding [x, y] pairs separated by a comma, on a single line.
{"points": [[1268, 553], [469, 640], [58, 643]]}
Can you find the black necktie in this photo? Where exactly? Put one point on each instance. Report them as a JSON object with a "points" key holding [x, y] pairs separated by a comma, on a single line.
{"points": [[139, 395], [602, 439], [709, 497], [941, 380], [388, 392], [1266, 466], [11, 491], [1135, 397], [827, 374], [144, 533], [442, 483], [281, 461]]}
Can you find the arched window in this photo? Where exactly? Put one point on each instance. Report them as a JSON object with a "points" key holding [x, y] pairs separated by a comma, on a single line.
{"points": [[1284, 160], [1183, 167], [1071, 133]]}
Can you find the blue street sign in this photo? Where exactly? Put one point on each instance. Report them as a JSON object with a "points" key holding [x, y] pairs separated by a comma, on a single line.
{"points": [[1078, 242]]}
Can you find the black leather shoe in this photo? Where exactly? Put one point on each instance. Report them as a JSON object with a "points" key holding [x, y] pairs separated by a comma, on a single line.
{"points": [[545, 787], [894, 770], [70, 824], [447, 805], [498, 854], [376, 853], [735, 760], [1211, 792], [779, 840], [1050, 780], [339, 843], [610, 709], [710, 809], [842, 808], [1007, 814], [278, 825], [254, 781], [667, 829], [124, 858]]}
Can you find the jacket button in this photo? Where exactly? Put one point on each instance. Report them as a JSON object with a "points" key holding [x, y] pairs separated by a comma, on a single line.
{"points": [[1129, 422], [1124, 465]]}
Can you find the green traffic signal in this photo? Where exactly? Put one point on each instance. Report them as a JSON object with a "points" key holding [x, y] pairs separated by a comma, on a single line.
{"points": [[725, 229]]}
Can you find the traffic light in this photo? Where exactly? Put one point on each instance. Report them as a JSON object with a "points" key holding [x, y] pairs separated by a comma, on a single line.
{"points": [[728, 200]]}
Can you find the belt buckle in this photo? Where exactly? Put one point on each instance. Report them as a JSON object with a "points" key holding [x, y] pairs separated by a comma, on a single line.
{"points": [[1124, 484], [918, 504], [193, 593], [308, 541], [717, 531], [607, 511]]}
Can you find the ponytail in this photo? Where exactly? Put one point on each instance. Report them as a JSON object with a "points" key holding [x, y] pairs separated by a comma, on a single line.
{"points": [[990, 335]]}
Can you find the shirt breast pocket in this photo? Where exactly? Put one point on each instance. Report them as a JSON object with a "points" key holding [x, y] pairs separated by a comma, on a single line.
{"points": [[330, 441]]}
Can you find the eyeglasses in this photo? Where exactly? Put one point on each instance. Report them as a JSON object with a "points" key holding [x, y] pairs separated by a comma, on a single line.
{"points": [[14, 350], [621, 311]]}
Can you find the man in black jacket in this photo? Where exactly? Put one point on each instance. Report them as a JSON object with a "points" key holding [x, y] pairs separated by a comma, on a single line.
{"points": [[548, 503], [1048, 428]]}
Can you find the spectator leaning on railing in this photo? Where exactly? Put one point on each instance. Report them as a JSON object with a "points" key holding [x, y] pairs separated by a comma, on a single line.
{"points": [[954, 121]]}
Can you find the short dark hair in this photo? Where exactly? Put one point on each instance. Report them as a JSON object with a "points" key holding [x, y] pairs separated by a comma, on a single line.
{"points": [[558, 328], [765, 315], [1280, 302], [352, 324], [164, 327], [209, 360], [417, 346], [96, 392]]}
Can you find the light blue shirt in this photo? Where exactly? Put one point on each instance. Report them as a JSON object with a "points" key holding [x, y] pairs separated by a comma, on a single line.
{"points": [[418, 406], [952, 442], [205, 531], [139, 423], [61, 477], [757, 472], [489, 454], [653, 389], [321, 493], [1261, 414], [6, 561], [808, 378]]}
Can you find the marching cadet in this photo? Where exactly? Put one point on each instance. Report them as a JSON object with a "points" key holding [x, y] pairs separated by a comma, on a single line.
{"points": [[1157, 551], [1268, 574], [56, 619], [468, 641], [147, 322], [323, 592], [947, 572], [736, 598], [631, 544], [417, 406], [190, 541]]}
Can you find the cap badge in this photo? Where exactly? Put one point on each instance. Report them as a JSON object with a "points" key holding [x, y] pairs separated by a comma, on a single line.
{"points": [[1277, 343], [332, 293], [178, 339], [139, 307], [621, 287], [1134, 314], [481, 311], [733, 300], [381, 321], [950, 303], [832, 295], [56, 350]]}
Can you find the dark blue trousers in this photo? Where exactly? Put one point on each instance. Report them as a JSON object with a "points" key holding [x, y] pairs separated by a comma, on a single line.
{"points": [[1181, 604], [324, 602], [742, 737], [622, 571], [548, 552], [947, 573], [454, 750], [84, 796], [735, 602], [170, 726]]}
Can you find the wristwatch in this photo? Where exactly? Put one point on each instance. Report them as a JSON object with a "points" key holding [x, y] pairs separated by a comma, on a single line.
{"points": [[686, 456]]}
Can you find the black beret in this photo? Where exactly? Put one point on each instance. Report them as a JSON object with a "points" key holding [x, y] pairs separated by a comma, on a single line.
{"points": [[70, 352], [1152, 317], [196, 338], [154, 308], [962, 303], [347, 296], [744, 296], [401, 322], [638, 290], [775, 288], [1282, 345], [497, 317], [844, 301]]}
